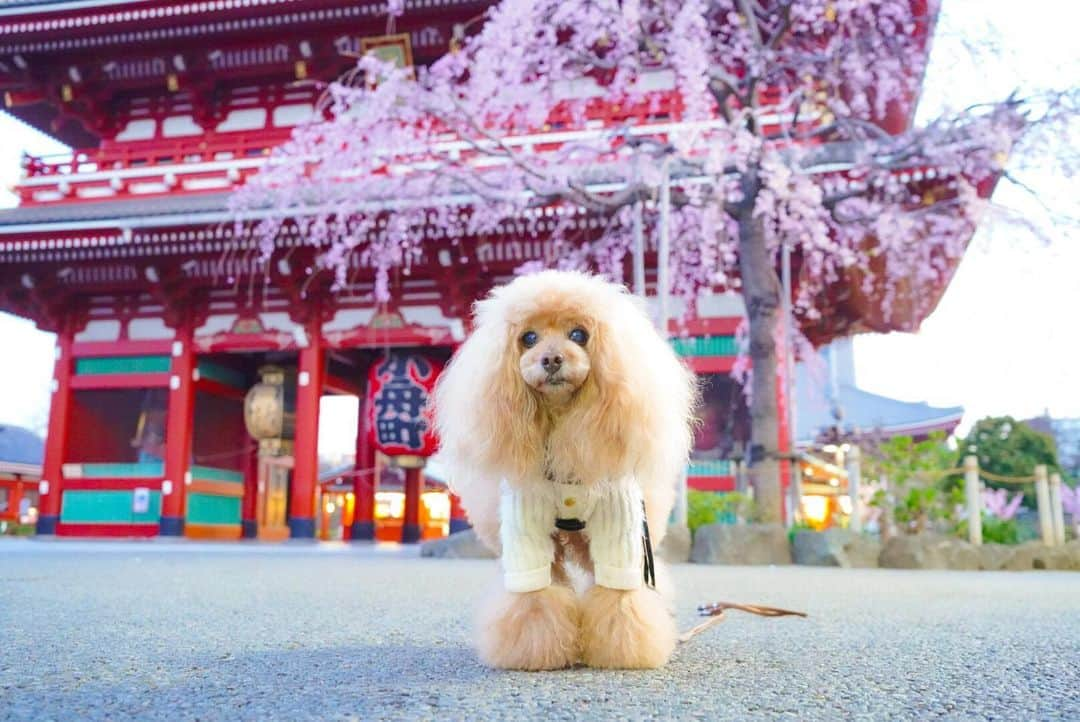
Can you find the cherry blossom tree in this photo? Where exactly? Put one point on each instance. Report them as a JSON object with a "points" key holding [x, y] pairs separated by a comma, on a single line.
{"points": [[778, 126]]}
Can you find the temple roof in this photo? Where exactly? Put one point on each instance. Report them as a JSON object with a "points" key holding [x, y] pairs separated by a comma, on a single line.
{"points": [[20, 446], [123, 212], [5, 4], [827, 396]]}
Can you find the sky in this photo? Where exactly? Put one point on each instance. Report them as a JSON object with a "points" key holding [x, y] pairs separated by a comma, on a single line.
{"points": [[1004, 339]]}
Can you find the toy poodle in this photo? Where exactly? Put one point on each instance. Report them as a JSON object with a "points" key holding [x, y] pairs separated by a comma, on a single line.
{"points": [[565, 420]]}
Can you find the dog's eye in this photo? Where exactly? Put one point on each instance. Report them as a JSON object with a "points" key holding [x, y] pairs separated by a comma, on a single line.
{"points": [[529, 339], [579, 336]]}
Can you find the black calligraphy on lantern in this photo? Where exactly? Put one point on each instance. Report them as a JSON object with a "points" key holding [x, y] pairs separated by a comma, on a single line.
{"points": [[400, 401]]}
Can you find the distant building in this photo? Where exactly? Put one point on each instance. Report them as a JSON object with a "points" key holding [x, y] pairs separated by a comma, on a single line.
{"points": [[830, 404], [21, 451], [1066, 433]]}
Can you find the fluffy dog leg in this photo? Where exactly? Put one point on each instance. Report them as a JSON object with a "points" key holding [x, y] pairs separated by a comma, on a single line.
{"points": [[531, 630], [626, 629]]}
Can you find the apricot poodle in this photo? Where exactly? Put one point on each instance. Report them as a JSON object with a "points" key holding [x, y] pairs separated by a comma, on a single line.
{"points": [[565, 420]]}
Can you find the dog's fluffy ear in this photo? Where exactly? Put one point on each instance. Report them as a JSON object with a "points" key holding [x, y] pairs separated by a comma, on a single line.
{"points": [[487, 418]]}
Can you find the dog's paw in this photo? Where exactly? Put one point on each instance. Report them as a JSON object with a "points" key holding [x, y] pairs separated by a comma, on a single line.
{"points": [[626, 629], [531, 631]]}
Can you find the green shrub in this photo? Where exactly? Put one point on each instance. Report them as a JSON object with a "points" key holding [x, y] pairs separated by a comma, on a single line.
{"points": [[995, 530], [16, 529], [712, 507]]}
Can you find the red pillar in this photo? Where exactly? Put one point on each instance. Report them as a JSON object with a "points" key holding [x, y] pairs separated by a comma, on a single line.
{"points": [[178, 432], [363, 528], [15, 499], [458, 520], [414, 485], [249, 506], [305, 479], [51, 486]]}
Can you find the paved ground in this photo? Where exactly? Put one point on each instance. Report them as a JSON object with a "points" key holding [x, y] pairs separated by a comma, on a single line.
{"points": [[178, 631]]}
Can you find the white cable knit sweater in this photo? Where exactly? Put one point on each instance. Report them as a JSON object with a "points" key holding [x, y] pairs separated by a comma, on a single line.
{"points": [[613, 516]]}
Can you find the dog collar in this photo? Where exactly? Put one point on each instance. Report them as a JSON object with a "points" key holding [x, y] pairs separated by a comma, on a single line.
{"points": [[569, 524]]}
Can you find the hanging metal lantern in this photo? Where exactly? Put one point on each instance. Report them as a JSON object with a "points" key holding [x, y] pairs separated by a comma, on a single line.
{"points": [[268, 413]]}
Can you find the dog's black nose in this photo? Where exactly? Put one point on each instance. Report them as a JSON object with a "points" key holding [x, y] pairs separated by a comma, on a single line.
{"points": [[552, 363]]}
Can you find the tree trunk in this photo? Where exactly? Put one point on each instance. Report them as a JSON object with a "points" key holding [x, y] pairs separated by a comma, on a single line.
{"points": [[761, 293]]}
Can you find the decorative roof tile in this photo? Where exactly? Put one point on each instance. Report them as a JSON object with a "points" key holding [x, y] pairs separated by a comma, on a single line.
{"points": [[20, 446]]}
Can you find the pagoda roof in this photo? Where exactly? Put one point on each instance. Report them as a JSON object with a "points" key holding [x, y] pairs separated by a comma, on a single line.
{"points": [[827, 397], [21, 450], [863, 412], [157, 212], [9, 4]]}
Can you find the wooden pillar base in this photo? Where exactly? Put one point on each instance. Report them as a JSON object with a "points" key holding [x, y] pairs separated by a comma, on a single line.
{"points": [[171, 526], [301, 528], [363, 531], [249, 529], [46, 525], [414, 487], [457, 525]]}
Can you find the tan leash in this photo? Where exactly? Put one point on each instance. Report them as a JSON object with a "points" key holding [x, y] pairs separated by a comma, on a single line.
{"points": [[715, 614]]}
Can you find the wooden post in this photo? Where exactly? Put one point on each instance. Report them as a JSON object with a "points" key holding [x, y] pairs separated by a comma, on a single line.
{"points": [[1057, 510], [15, 498], [414, 486], [51, 486], [363, 528], [249, 506], [854, 475], [1042, 496], [305, 479], [178, 431], [974, 498]]}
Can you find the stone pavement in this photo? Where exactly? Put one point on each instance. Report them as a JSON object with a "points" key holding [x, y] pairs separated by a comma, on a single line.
{"points": [[156, 630]]}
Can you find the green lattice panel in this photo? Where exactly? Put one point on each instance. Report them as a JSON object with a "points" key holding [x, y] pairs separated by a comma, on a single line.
{"points": [[121, 365], [209, 473], [222, 374], [145, 470], [107, 507], [705, 346], [718, 467], [211, 509]]}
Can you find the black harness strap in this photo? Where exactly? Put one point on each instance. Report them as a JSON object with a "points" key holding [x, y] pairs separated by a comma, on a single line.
{"points": [[650, 565], [569, 524]]}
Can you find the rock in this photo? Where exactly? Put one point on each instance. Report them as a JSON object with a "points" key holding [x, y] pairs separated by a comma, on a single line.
{"points": [[863, 552], [750, 544], [993, 557], [960, 554], [820, 548], [460, 545], [1036, 555], [913, 551], [1030, 555], [930, 551], [1022, 558], [1053, 558], [1072, 548], [675, 547], [834, 548]]}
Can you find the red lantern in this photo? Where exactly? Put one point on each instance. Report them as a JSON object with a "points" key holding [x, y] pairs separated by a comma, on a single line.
{"points": [[399, 386]]}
